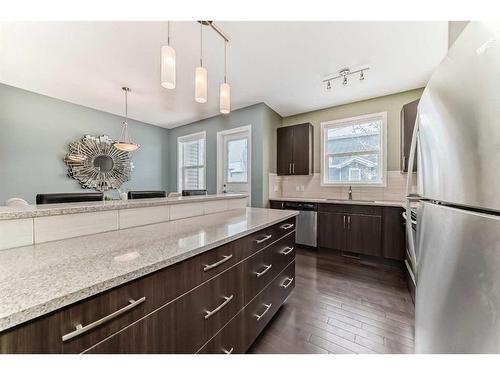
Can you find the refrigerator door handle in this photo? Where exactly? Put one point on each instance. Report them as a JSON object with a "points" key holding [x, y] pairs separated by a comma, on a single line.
{"points": [[409, 199]]}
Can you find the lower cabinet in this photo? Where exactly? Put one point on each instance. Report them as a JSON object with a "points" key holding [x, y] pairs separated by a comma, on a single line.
{"points": [[239, 334], [332, 230], [185, 324], [365, 234], [216, 301], [367, 230]]}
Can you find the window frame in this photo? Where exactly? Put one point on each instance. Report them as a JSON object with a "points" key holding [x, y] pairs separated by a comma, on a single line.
{"points": [[180, 158], [325, 125]]}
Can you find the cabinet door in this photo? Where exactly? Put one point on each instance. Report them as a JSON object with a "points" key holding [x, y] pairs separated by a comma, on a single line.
{"points": [[302, 149], [184, 325], [365, 234], [408, 117], [394, 239], [332, 230], [284, 150]]}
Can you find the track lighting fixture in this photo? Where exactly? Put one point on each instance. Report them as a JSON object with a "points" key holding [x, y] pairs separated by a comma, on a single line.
{"points": [[344, 74]]}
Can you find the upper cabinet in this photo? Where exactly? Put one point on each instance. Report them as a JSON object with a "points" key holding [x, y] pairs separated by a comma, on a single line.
{"points": [[408, 118], [295, 150]]}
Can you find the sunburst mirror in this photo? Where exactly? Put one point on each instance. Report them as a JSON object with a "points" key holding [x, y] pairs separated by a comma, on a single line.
{"points": [[96, 164]]}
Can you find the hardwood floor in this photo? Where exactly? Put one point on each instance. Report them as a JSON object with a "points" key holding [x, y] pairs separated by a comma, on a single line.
{"points": [[341, 305]]}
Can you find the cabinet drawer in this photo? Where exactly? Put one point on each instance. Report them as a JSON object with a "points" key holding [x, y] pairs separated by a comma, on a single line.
{"points": [[284, 283], [259, 312], [350, 209], [185, 324], [108, 312], [264, 266], [242, 331], [263, 238], [230, 340]]}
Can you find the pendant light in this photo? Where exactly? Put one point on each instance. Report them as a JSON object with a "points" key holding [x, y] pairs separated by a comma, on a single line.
{"points": [[168, 63], [225, 89], [201, 76], [125, 143]]}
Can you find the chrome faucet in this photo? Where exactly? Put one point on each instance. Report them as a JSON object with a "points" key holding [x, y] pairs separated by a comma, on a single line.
{"points": [[350, 193]]}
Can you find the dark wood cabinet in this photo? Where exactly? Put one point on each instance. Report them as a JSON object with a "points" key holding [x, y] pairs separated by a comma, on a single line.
{"points": [[177, 309], [369, 230], [408, 118], [365, 234], [347, 231], [295, 150], [284, 150], [394, 235], [332, 230]]}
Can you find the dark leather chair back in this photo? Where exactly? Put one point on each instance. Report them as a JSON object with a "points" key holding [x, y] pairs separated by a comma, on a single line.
{"points": [[68, 197], [188, 193], [147, 194]]}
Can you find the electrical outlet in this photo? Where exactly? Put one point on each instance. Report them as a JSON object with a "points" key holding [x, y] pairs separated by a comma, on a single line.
{"points": [[275, 188], [297, 188], [301, 187]]}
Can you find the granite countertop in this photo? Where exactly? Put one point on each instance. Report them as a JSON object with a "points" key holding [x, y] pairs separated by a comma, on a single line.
{"points": [[24, 212], [341, 201], [41, 278]]}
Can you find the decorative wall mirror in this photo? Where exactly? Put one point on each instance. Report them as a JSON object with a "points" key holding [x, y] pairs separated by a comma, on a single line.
{"points": [[96, 164]]}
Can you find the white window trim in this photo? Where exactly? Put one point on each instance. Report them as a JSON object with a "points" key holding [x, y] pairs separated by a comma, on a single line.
{"points": [[383, 150], [220, 157], [187, 138]]}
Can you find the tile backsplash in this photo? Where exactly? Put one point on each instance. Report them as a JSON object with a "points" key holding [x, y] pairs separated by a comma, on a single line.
{"points": [[309, 187]]}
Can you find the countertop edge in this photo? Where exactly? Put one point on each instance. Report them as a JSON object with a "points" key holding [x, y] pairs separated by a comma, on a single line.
{"points": [[333, 201], [25, 213], [26, 315]]}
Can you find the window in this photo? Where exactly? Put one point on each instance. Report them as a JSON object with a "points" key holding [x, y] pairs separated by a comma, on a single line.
{"points": [[353, 150], [191, 161], [237, 160]]}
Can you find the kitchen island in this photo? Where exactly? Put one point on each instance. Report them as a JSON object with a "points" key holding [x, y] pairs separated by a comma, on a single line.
{"points": [[182, 286]]}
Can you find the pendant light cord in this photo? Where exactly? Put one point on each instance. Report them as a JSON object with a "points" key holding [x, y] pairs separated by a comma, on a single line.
{"points": [[201, 44], [168, 33], [225, 61], [126, 106]]}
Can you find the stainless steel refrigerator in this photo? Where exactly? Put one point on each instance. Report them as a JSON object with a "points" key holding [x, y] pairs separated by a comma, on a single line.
{"points": [[457, 246]]}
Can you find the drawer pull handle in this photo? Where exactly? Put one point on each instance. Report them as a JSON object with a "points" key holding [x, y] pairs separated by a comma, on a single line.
{"points": [[287, 250], [79, 329], [218, 308], [230, 351], [268, 306], [264, 239], [285, 284], [286, 226], [213, 265], [262, 273]]}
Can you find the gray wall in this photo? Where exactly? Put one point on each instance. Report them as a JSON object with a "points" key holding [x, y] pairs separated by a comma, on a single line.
{"points": [[264, 121], [35, 131]]}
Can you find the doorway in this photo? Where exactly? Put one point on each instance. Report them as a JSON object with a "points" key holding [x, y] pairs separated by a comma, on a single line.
{"points": [[234, 161]]}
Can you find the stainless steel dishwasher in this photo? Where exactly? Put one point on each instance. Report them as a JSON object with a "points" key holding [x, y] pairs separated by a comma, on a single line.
{"points": [[307, 222]]}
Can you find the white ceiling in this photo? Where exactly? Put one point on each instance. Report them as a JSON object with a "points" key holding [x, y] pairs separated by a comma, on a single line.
{"points": [[279, 63]]}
